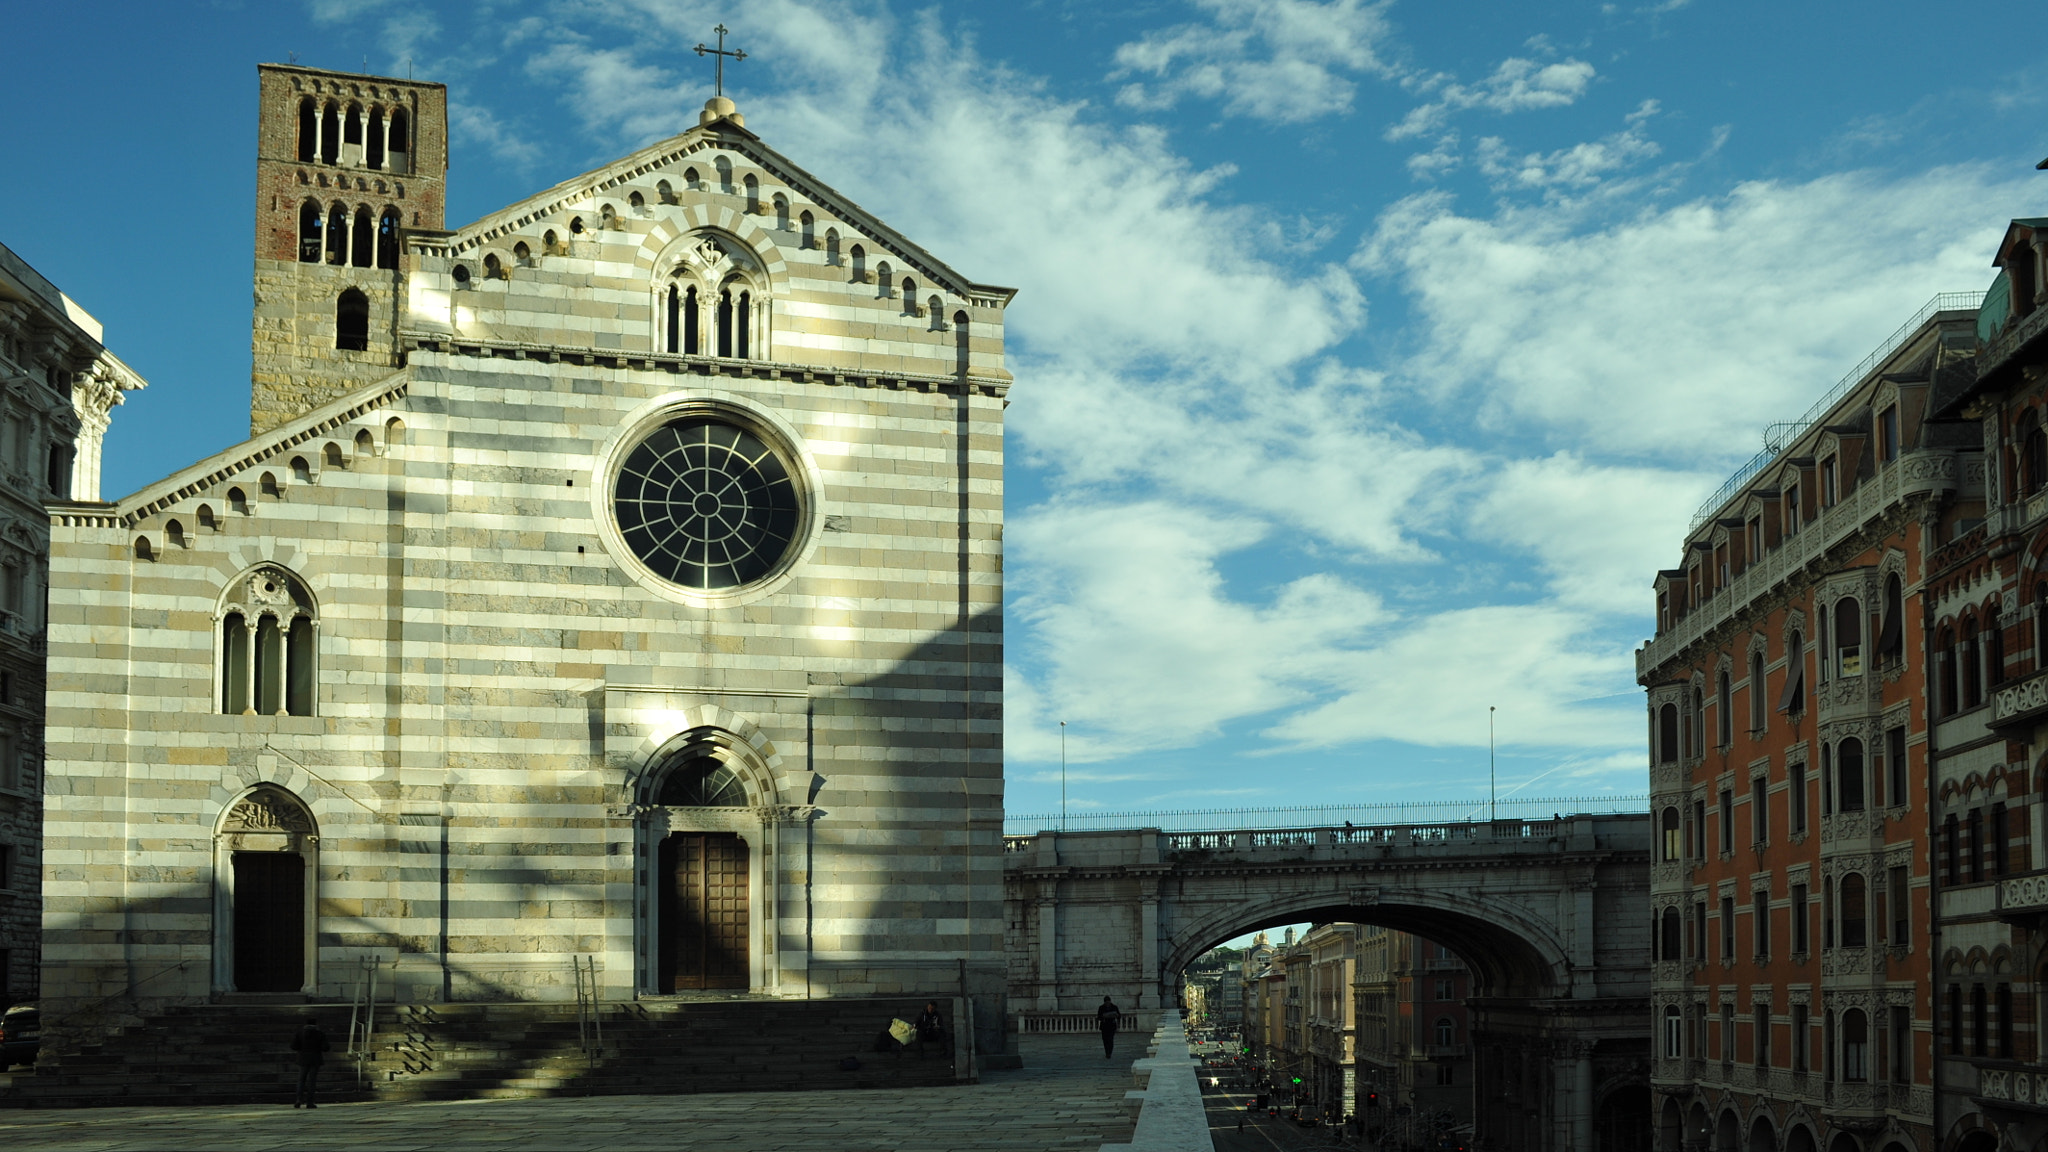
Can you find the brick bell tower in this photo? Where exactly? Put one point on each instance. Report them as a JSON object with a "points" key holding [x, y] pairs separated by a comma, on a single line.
{"points": [[346, 164]]}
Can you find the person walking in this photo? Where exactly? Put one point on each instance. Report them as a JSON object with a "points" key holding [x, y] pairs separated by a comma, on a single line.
{"points": [[311, 1045], [1107, 1017]]}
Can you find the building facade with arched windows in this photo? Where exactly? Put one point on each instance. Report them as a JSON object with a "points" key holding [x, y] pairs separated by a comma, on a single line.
{"points": [[1790, 748], [58, 388], [632, 597]]}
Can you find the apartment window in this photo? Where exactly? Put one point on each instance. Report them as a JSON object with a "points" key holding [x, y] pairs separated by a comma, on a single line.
{"points": [[1673, 837], [1667, 734], [1972, 667], [1895, 767], [1796, 794], [6, 875], [1980, 1022], [1753, 537], [1827, 780], [2002, 1048], [1945, 672], [1891, 631], [10, 763], [1727, 820], [1697, 597], [1950, 849], [1955, 1019], [1791, 516], [1801, 1041], [1760, 811], [1727, 1032], [1668, 946], [1849, 771], [2001, 850], [1721, 567], [1855, 904], [1848, 637], [1762, 1027], [1699, 823], [1855, 1046], [1801, 929], [1699, 919], [1994, 648], [1446, 1073], [1727, 927], [1446, 1031], [1902, 1045], [1757, 712], [1830, 488], [1975, 823], [1663, 611], [1724, 715], [1888, 434], [1699, 723], [1447, 990], [1760, 909], [1901, 907]]}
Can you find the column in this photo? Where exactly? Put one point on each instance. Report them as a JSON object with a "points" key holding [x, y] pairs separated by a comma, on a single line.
{"points": [[1148, 946]]}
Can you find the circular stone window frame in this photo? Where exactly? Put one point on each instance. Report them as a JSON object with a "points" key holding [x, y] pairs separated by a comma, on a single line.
{"points": [[774, 431]]}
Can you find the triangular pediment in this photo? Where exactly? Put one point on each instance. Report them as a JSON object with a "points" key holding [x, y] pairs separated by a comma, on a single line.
{"points": [[669, 158]]}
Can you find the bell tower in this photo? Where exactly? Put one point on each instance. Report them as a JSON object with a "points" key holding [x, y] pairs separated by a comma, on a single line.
{"points": [[346, 164]]}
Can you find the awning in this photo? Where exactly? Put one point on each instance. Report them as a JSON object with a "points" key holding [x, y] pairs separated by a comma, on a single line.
{"points": [[1794, 681]]}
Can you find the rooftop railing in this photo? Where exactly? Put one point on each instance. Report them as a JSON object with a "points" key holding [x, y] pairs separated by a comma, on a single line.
{"points": [[1325, 815], [1780, 435]]}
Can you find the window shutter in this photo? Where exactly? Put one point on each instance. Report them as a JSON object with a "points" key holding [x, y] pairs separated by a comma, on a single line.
{"points": [[1793, 683]]}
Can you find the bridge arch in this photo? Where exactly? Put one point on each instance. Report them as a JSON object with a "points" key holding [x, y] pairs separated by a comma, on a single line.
{"points": [[1508, 951]]}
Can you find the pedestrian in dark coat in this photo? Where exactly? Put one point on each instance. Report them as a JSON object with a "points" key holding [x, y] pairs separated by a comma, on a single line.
{"points": [[1107, 1017], [311, 1045]]}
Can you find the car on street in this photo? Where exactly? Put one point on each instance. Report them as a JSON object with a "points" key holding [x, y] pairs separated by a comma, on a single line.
{"points": [[21, 1035]]}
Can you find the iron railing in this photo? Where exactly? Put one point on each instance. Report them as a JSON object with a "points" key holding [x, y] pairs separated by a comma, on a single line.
{"points": [[1779, 435], [1326, 815]]}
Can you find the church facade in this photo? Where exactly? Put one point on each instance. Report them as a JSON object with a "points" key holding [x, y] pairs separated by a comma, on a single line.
{"points": [[612, 581]]}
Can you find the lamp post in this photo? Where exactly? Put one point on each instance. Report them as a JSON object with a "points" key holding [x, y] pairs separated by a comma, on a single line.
{"points": [[1063, 776], [1492, 788]]}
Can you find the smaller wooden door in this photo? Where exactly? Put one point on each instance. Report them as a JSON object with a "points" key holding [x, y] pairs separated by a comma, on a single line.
{"points": [[703, 911], [270, 922]]}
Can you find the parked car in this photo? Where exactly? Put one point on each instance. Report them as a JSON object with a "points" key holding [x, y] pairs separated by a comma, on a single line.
{"points": [[21, 1035]]}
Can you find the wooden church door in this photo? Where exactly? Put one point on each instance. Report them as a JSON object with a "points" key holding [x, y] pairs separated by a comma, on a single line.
{"points": [[270, 921], [703, 911]]}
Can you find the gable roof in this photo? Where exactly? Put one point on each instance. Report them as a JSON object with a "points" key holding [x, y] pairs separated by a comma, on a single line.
{"points": [[722, 133]]}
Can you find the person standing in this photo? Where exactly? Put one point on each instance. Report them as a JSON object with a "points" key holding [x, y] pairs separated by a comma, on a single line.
{"points": [[1107, 1017], [311, 1045]]}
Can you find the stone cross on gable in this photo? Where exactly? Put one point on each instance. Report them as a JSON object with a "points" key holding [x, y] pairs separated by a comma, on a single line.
{"points": [[721, 54]]}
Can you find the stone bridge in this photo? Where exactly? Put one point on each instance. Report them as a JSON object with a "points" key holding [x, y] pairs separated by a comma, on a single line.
{"points": [[1551, 917]]}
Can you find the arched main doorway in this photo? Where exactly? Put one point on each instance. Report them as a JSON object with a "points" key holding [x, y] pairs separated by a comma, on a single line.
{"points": [[1761, 1137], [1623, 1122], [266, 878]]}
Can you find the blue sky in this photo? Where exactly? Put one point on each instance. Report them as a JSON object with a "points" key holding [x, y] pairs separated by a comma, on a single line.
{"points": [[1370, 357]]}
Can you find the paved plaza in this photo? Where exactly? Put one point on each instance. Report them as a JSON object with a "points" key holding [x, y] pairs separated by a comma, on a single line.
{"points": [[1066, 1097]]}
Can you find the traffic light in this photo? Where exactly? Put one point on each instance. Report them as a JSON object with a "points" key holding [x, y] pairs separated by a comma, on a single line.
{"points": [[1297, 1079], [1372, 1099]]}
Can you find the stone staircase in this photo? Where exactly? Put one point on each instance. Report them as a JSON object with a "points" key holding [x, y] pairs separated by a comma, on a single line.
{"points": [[237, 1054]]}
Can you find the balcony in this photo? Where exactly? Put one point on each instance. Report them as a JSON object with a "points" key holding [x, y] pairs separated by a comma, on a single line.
{"points": [[2022, 703], [2023, 898], [1911, 474], [2000, 349]]}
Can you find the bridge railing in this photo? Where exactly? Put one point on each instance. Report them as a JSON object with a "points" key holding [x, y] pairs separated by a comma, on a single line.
{"points": [[1395, 814], [1474, 832]]}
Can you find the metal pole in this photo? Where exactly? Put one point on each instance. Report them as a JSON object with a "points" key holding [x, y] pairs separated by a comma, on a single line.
{"points": [[1063, 775], [1492, 789]]}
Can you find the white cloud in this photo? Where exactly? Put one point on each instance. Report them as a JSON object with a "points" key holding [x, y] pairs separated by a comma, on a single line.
{"points": [[1517, 84], [1138, 643], [1438, 160], [1676, 333], [475, 124], [1282, 60], [1600, 532], [1577, 167], [1431, 684]]}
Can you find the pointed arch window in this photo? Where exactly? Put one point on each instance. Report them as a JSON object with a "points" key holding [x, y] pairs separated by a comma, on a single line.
{"points": [[1758, 714], [860, 265], [363, 249], [399, 141], [267, 646], [807, 236], [330, 133], [725, 323], [374, 150], [309, 130], [782, 213], [675, 317]]}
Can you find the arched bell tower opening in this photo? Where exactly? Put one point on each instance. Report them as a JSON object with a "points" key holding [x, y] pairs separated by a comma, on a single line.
{"points": [[707, 847], [266, 888]]}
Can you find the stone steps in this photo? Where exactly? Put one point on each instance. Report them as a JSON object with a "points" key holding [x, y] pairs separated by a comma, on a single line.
{"points": [[237, 1053]]}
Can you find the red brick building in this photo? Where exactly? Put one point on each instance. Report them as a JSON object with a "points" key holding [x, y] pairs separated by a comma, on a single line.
{"points": [[1789, 768]]}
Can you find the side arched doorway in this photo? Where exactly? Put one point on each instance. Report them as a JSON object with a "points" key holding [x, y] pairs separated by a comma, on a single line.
{"points": [[266, 880], [710, 849]]}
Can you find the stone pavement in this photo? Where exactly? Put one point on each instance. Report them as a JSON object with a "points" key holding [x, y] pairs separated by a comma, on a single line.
{"points": [[1065, 1099]]}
